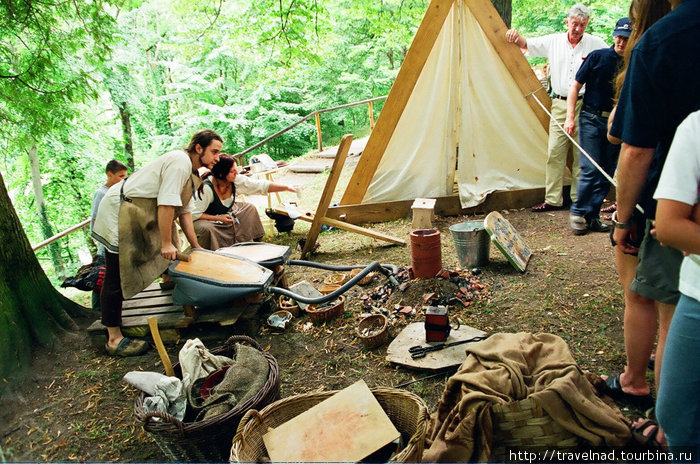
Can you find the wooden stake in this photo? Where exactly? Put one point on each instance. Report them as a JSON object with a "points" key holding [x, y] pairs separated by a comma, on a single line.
{"points": [[165, 359], [318, 132], [327, 194]]}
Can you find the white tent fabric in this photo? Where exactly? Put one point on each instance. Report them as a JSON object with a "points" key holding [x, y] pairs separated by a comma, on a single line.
{"points": [[465, 101]]}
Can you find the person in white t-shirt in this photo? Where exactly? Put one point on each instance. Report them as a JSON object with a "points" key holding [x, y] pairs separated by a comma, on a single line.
{"points": [[678, 225], [116, 172], [565, 52], [135, 221]]}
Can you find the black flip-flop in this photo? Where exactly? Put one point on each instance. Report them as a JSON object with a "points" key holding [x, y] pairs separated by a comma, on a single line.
{"points": [[614, 390]]}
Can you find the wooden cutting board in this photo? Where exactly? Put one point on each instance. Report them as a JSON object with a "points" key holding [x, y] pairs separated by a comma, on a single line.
{"points": [[346, 427], [414, 334]]}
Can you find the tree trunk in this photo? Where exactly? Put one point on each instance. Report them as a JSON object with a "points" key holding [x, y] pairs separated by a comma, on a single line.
{"points": [[32, 312], [505, 9], [125, 115], [46, 229]]}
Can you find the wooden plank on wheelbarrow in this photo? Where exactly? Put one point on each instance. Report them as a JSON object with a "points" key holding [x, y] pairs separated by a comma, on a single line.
{"points": [[414, 335]]}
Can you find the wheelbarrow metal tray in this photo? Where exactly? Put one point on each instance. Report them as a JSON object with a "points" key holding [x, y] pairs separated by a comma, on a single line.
{"points": [[210, 279]]}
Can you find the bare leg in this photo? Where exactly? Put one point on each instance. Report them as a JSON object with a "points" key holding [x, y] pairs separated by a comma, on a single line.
{"points": [[115, 336], [639, 327], [665, 316]]}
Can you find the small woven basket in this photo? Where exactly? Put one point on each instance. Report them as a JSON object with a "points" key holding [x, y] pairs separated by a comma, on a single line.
{"points": [[407, 412], [363, 281], [375, 323], [335, 279], [207, 440], [287, 304], [325, 289], [327, 313], [524, 424]]}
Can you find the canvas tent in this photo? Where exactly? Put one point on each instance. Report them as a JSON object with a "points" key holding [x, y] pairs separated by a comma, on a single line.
{"points": [[457, 124]]}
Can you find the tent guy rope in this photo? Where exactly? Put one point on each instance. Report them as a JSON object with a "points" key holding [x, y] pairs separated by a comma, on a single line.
{"points": [[585, 153]]}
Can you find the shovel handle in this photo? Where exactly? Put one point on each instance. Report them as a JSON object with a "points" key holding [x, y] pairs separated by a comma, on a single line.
{"points": [[164, 358]]}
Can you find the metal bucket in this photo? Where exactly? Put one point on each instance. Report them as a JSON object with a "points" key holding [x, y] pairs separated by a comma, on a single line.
{"points": [[471, 243]]}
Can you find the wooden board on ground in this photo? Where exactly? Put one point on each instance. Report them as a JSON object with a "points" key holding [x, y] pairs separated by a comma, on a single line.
{"points": [[171, 317], [414, 334], [508, 240], [346, 427]]}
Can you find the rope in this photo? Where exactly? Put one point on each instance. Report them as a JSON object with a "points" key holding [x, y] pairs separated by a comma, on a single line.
{"points": [[585, 153]]}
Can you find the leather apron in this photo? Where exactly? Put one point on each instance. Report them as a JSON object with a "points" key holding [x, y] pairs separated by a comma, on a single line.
{"points": [[140, 262]]}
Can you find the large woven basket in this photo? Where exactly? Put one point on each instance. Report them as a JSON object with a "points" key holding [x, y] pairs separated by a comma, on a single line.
{"points": [[525, 425], [407, 412], [207, 440], [327, 313]]}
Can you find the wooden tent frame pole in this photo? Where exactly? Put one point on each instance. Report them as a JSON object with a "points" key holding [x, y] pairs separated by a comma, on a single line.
{"points": [[395, 104], [494, 28], [320, 217]]}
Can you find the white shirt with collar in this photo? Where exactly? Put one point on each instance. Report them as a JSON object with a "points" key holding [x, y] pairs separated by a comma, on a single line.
{"points": [[564, 59]]}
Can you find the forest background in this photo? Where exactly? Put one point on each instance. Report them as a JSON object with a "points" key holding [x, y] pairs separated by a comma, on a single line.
{"points": [[84, 82]]}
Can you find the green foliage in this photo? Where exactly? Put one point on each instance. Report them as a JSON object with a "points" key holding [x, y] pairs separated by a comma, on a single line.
{"points": [[537, 17], [246, 68]]}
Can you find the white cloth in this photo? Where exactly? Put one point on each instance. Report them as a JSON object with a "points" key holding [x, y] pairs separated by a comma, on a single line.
{"points": [[166, 394], [162, 178], [244, 185], [680, 181], [197, 362], [564, 59]]}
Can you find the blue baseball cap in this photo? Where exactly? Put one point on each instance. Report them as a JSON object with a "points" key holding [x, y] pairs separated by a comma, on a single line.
{"points": [[622, 28]]}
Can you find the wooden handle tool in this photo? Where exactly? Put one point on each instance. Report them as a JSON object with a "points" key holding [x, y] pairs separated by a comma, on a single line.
{"points": [[165, 359], [183, 257]]}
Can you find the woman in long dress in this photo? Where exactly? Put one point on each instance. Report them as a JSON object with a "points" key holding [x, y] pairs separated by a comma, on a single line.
{"points": [[220, 220]]}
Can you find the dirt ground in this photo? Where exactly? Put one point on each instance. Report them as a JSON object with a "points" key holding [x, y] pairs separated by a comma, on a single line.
{"points": [[74, 405]]}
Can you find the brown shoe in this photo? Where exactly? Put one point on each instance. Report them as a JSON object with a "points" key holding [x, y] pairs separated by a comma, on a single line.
{"points": [[544, 206], [128, 347]]}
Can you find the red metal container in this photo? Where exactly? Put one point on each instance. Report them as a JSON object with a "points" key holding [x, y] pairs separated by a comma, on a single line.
{"points": [[426, 254], [437, 324]]}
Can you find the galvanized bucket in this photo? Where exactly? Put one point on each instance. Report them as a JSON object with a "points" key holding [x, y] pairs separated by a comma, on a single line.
{"points": [[472, 243]]}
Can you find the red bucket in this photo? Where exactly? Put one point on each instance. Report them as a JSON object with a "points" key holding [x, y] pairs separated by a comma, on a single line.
{"points": [[426, 254]]}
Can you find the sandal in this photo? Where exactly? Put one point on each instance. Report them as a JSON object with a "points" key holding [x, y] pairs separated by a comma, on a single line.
{"points": [[648, 439], [613, 389], [544, 206], [127, 347], [609, 209]]}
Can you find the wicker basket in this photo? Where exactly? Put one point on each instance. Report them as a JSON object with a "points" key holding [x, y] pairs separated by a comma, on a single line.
{"points": [[523, 424], [325, 289], [328, 313], [335, 279], [407, 412], [287, 304], [376, 323], [207, 440], [363, 281]]}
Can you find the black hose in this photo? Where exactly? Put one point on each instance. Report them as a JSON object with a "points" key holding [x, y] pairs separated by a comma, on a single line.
{"points": [[332, 267], [334, 294]]}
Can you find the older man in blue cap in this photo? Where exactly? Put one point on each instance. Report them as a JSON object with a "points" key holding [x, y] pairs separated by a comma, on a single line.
{"points": [[597, 73]]}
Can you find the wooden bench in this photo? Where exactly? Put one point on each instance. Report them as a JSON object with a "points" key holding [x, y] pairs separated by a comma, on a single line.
{"points": [[172, 318]]}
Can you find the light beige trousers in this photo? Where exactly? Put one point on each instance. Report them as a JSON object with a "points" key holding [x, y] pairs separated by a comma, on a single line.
{"points": [[557, 149]]}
